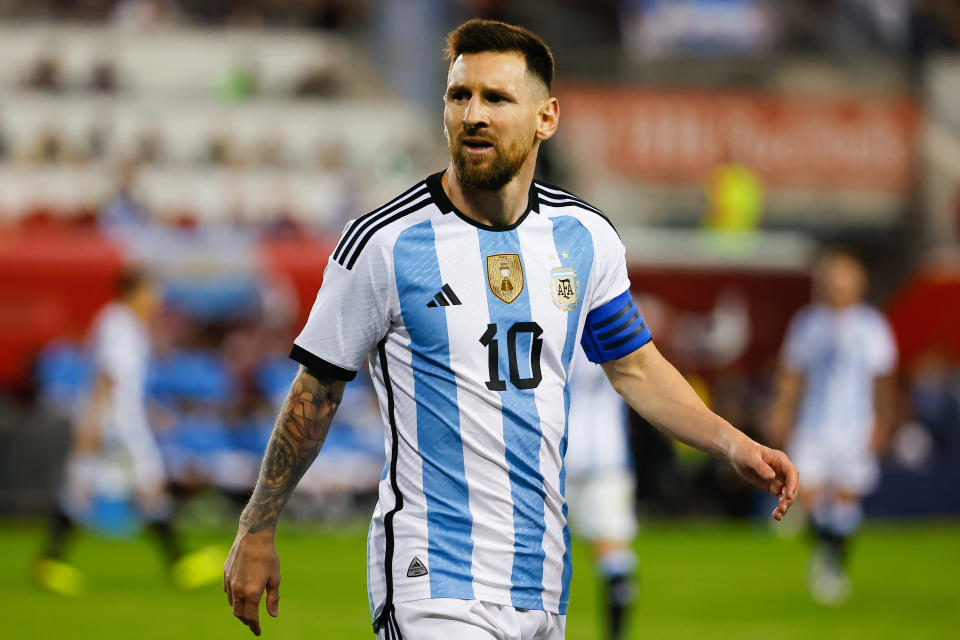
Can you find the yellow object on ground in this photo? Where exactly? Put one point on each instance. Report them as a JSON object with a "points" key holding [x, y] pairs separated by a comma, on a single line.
{"points": [[199, 568], [57, 577]]}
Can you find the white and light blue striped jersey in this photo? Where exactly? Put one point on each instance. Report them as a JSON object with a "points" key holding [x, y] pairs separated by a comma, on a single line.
{"points": [[598, 422], [839, 353], [470, 332]]}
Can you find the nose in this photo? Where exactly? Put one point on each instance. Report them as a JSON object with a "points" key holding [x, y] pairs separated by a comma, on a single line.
{"points": [[475, 114]]}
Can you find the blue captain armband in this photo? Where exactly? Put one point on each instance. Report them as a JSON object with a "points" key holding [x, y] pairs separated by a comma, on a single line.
{"points": [[614, 330]]}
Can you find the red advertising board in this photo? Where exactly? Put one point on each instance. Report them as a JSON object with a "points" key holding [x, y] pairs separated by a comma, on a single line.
{"points": [[822, 142]]}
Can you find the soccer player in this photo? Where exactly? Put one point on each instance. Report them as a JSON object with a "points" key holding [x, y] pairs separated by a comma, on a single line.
{"points": [[113, 450], [600, 486], [833, 410], [470, 293]]}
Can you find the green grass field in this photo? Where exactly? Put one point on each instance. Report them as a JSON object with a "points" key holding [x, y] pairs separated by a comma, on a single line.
{"points": [[699, 580]]}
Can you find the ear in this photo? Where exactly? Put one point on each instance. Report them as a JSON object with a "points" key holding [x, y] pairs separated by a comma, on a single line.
{"points": [[548, 118]]}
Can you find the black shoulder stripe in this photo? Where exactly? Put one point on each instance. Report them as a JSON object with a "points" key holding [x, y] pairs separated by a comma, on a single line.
{"points": [[355, 229], [376, 227], [554, 199], [558, 199], [557, 192]]}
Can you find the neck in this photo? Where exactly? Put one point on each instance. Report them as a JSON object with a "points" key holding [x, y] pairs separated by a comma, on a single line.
{"points": [[840, 306], [500, 208]]}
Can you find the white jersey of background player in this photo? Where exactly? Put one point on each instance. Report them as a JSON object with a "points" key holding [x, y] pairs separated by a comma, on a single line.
{"points": [[113, 452], [601, 485], [833, 409]]}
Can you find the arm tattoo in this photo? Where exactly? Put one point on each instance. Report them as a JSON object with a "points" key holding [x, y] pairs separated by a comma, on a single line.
{"points": [[297, 437]]}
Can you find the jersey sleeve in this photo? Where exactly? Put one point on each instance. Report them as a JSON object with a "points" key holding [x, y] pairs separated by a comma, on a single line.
{"points": [[884, 349], [614, 326], [795, 349], [350, 315]]}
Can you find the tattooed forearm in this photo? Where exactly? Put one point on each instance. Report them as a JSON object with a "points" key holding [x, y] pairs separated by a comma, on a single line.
{"points": [[297, 437]]}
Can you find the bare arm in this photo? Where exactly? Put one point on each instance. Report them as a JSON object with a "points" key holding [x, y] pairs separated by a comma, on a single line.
{"points": [[783, 410], [657, 391], [884, 399], [298, 434], [86, 438]]}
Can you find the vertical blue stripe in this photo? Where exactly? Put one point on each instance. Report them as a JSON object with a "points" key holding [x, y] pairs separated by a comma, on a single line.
{"points": [[521, 433], [449, 521], [570, 237]]}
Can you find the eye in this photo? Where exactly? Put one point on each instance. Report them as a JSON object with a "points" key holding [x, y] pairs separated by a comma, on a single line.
{"points": [[458, 96]]}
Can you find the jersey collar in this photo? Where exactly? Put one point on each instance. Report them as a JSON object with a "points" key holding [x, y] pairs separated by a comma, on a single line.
{"points": [[439, 197]]}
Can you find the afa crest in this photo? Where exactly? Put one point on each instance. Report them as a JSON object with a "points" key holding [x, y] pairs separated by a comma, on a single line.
{"points": [[566, 288], [505, 276]]}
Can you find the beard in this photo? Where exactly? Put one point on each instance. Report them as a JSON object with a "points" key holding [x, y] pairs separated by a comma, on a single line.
{"points": [[489, 174]]}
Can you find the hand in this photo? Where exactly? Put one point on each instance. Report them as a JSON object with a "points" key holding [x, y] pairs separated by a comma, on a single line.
{"points": [[878, 442], [251, 567], [768, 469], [86, 440]]}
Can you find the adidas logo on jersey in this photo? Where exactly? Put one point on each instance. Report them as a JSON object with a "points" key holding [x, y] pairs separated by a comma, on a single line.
{"points": [[440, 300], [416, 569]]}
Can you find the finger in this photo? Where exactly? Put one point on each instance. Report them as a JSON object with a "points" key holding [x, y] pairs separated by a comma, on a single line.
{"points": [[251, 611], [780, 511], [273, 597], [793, 480], [238, 606], [787, 471], [761, 468], [783, 505]]}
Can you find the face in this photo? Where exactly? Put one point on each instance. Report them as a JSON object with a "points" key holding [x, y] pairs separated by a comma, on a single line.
{"points": [[495, 113], [143, 300], [841, 280]]}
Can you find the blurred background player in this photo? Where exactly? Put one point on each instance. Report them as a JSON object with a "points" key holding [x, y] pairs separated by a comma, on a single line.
{"points": [[833, 410], [113, 451], [600, 487]]}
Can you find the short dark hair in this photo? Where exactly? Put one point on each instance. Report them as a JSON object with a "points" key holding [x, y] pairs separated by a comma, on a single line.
{"points": [[131, 279], [479, 35], [843, 251]]}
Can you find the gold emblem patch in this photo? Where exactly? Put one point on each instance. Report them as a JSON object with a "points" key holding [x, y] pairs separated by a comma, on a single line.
{"points": [[505, 276], [566, 288]]}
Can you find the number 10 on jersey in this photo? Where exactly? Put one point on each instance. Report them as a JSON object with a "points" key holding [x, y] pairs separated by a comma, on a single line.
{"points": [[490, 341]]}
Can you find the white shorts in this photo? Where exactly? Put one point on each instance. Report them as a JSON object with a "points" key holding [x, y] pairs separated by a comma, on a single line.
{"points": [[600, 505], [118, 470], [452, 619], [827, 464]]}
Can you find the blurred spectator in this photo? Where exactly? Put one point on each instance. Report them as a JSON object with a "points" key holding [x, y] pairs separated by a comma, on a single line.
{"points": [[319, 80], [934, 403], [124, 210], [239, 83], [655, 28], [44, 75], [934, 27], [222, 150], [148, 148], [270, 151], [4, 143], [145, 14], [734, 196], [103, 77], [844, 26], [48, 147]]}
